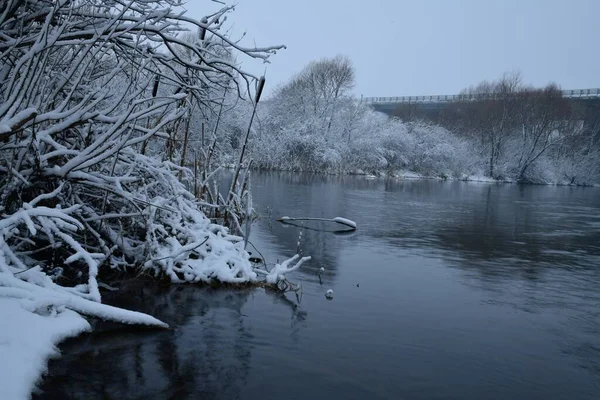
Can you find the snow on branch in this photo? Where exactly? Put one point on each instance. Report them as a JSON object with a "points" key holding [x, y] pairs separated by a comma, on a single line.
{"points": [[339, 220], [279, 271], [96, 117]]}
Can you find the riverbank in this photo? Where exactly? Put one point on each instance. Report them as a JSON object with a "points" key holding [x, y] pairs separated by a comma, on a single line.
{"points": [[38, 314], [482, 179], [28, 340], [411, 175]]}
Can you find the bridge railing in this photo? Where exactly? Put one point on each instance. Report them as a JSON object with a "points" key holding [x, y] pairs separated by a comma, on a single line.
{"points": [[574, 93]]}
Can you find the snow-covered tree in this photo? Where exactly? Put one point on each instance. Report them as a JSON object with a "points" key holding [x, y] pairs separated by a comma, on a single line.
{"points": [[524, 132]]}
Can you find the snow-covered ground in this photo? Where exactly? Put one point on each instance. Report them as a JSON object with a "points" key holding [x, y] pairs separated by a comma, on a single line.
{"points": [[27, 341], [37, 314]]}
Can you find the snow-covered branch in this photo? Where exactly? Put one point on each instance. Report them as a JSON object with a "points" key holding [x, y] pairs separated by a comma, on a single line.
{"points": [[98, 102]]}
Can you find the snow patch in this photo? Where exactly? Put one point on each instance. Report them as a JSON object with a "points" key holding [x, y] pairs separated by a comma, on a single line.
{"points": [[345, 221], [481, 178], [28, 340], [408, 175]]}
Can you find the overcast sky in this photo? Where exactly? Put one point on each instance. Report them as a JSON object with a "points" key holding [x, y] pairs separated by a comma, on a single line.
{"points": [[424, 47]]}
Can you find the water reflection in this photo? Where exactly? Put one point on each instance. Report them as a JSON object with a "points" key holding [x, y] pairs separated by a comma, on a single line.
{"points": [[533, 249], [207, 354], [475, 222]]}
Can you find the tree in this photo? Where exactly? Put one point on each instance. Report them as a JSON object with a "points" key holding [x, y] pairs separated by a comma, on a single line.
{"points": [[515, 124], [317, 89], [494, 113], [544, 117]]}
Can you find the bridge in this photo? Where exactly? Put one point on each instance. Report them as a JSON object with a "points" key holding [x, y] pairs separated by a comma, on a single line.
{"points": [[585, 97]]}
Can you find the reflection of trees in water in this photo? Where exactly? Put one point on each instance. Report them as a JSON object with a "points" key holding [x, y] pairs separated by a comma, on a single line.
{"points": [[495, 229], [207, 354], [538, 238], [528, 248], [516, 237], [498, 228], [298, 315]]}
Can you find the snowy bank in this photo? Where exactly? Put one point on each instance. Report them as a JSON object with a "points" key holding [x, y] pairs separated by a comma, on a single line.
{"points": [[28, 340], [37, 315]]}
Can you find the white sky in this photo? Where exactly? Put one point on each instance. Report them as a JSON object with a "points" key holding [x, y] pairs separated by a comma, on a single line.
{"points": [[423, 47]]}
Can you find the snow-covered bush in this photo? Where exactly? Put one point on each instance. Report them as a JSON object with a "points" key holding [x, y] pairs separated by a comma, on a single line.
{"points": [[98, 118], [313, 124], [358, 139]]}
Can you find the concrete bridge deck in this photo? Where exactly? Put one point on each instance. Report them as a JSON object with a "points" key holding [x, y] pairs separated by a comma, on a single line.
{"points": [[571, 94], [581, 99]]}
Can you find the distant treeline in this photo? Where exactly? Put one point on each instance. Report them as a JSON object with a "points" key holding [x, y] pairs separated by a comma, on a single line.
{"points": [[509, 116], [517, 133]]}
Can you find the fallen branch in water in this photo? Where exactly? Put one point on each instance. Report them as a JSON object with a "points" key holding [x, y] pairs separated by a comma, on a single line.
{"points": [[337, 232], [343, 221]]}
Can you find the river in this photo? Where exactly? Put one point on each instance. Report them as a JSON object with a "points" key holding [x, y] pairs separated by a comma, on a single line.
{"points": [[447, 290]]}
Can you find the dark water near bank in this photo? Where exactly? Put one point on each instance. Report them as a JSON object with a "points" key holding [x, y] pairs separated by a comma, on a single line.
{"points": [[448, 290]]}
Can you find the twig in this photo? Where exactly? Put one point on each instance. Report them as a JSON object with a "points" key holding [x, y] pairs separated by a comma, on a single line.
{"points": [[259, 253], [193, 248]]}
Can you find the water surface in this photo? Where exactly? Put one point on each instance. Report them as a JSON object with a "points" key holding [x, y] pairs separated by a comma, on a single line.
{"points": [[448, 290]]}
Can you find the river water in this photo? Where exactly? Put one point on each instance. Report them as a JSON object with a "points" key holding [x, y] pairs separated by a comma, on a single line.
{"points": [[448, 290]]}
